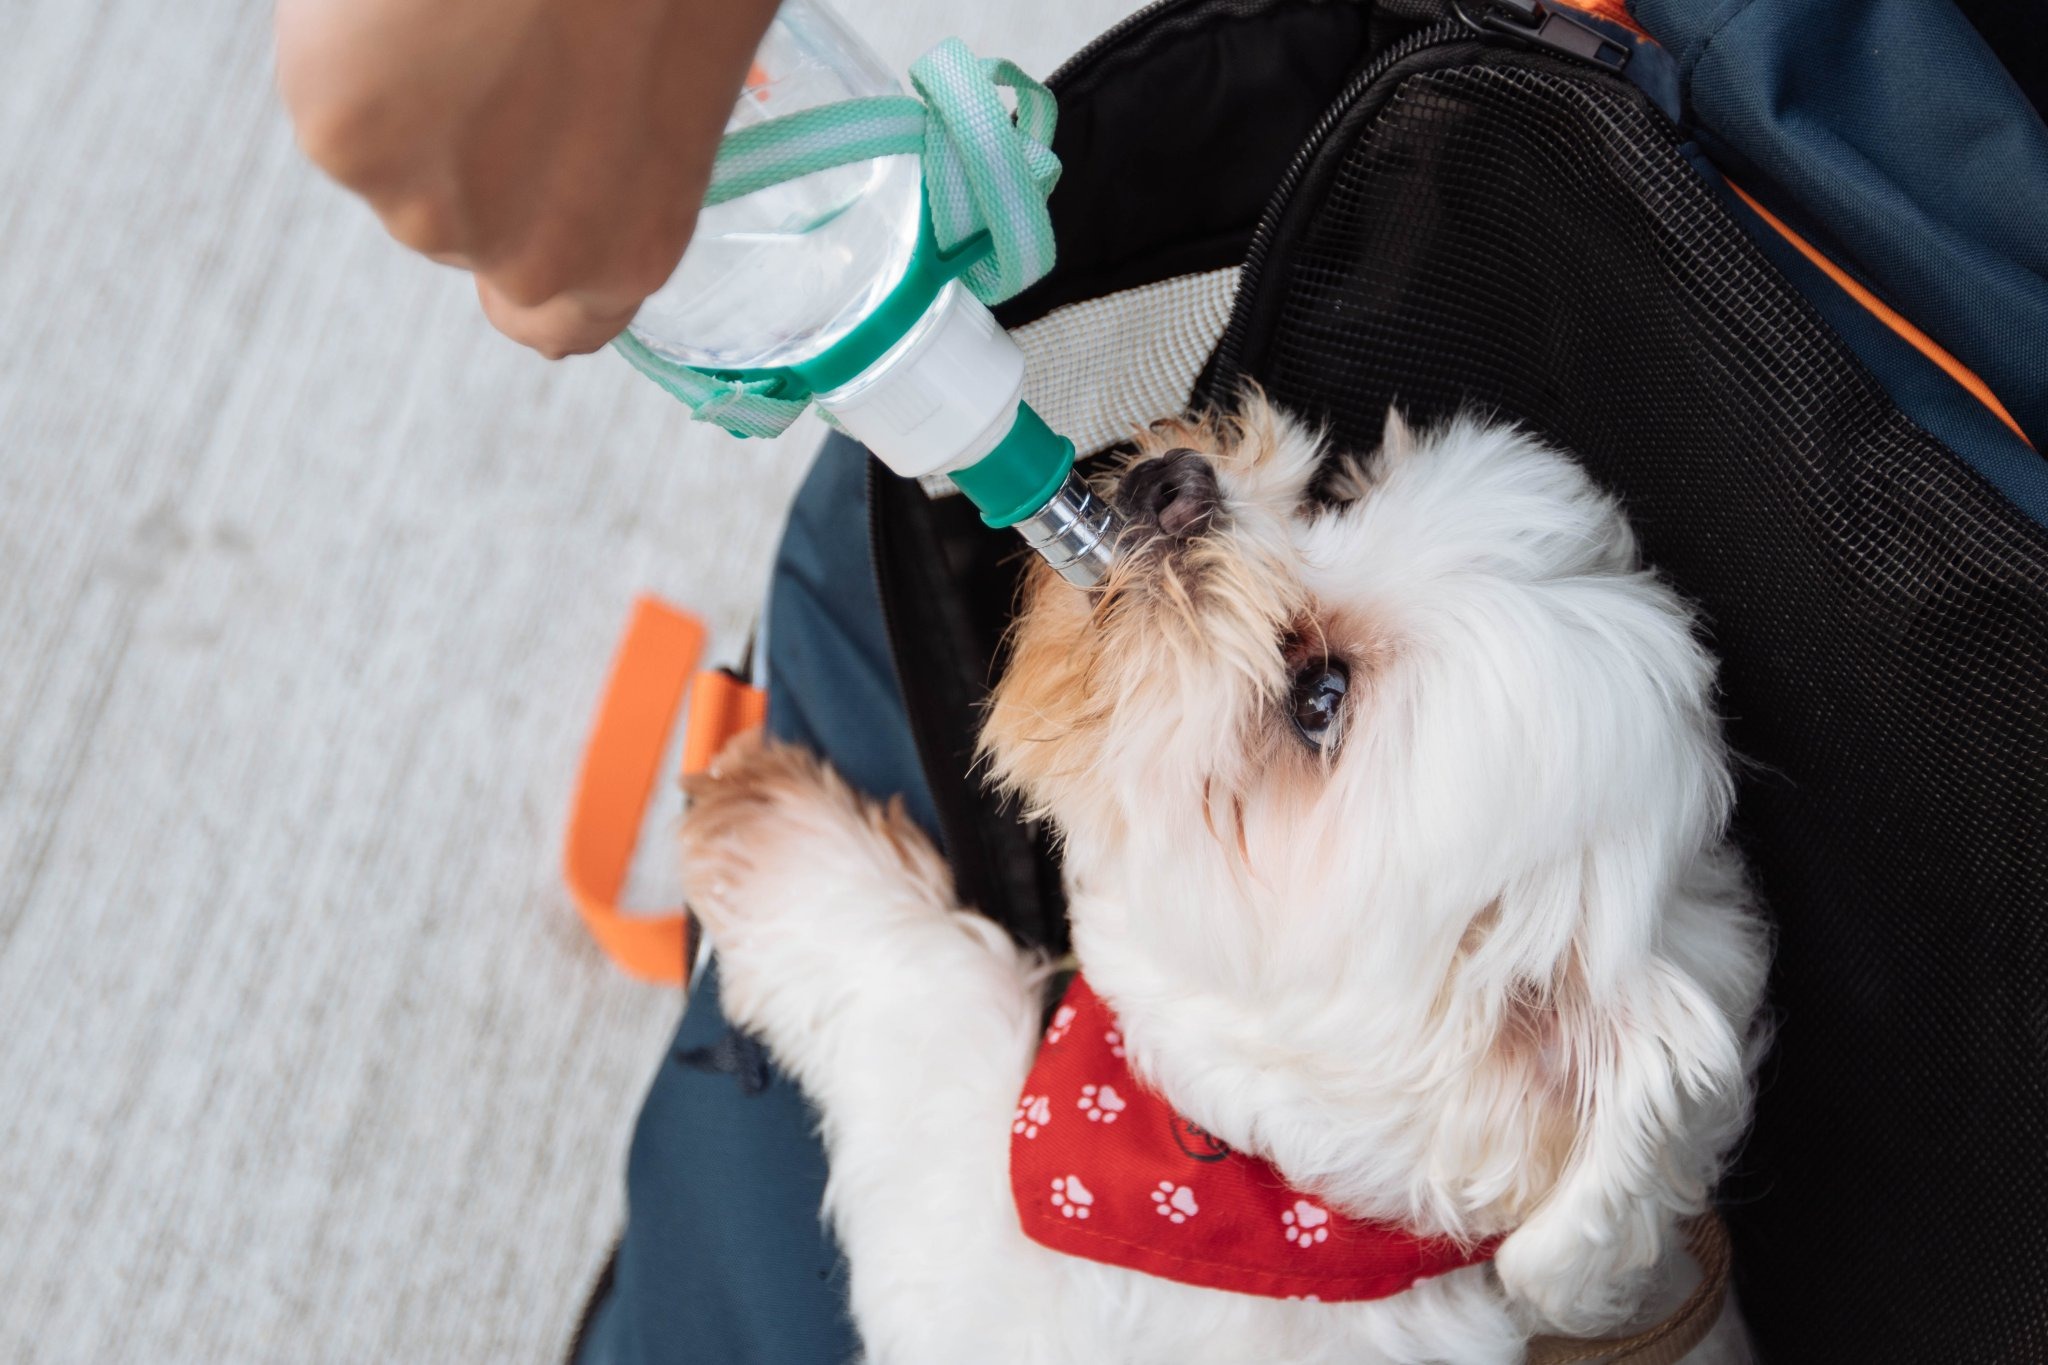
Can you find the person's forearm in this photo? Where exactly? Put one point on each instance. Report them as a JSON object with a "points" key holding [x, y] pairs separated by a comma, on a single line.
{"points": [[556, 148]]}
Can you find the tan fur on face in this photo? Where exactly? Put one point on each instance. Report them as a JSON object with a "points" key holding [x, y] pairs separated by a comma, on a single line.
{"points": [[1198, 613]]}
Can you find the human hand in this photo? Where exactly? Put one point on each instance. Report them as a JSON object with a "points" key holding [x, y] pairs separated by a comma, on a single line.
{"points": [[557, 149]]}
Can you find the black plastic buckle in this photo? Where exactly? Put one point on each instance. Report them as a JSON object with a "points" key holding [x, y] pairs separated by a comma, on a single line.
{"points": [[1552, 29]]}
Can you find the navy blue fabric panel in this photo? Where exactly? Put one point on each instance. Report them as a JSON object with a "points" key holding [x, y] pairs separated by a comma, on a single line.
{"points": [[725, 1257], [1887, 132]]}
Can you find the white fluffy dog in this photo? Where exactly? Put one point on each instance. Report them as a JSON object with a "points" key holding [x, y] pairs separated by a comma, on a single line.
{"points": [[1392, 803]]}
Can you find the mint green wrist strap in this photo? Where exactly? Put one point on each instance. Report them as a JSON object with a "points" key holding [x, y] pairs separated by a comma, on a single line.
{"points": [[986, 176]]}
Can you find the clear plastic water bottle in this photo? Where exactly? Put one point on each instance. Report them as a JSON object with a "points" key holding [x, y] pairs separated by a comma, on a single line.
{"points": [[776, 279], [777, 276]]}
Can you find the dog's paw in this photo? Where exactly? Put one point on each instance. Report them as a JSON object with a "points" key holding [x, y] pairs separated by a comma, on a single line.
{"points": [[771, 831], [744, 826], [1575, 1281]]}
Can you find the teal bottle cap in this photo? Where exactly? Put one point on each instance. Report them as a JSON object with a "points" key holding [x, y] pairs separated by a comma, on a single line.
{"points": [[1020, 476]]}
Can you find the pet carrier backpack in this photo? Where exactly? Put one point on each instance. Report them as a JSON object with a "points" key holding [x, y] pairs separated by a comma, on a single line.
{"points": [[1776, 271]]}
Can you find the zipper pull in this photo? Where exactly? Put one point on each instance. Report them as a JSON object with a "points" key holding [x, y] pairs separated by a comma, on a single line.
{"points": [[1552, 28]]}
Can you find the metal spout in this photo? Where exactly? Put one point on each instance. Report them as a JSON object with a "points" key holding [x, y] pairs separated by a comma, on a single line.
{"points": [[1076, 532]]}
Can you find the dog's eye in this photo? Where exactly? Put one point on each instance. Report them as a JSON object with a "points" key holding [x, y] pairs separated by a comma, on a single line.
{"points": [[1319, 690]]}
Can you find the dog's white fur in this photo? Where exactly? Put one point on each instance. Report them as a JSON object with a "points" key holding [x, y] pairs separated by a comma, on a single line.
{"points": [[1487, 966]]}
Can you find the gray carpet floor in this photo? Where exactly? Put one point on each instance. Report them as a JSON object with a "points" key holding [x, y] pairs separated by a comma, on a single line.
{"points": [[308, 584]]}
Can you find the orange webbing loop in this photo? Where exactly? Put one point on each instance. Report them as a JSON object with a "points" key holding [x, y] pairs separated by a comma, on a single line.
{"points": [[650, 676], [721, 706], [1614, 11]]}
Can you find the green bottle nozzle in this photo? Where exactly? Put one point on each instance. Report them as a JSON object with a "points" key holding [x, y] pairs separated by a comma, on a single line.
{"points": [[1028, 482]]}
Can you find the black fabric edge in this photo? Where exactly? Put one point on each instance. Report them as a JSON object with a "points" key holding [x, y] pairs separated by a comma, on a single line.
{"points": [[1189, 258]]}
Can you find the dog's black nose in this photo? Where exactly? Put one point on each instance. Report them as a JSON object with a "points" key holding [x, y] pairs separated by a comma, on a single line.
{"points": [[1176, 492]]}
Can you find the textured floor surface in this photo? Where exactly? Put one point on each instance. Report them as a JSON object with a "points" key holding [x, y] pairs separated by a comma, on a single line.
{"points": [[308, 583]]}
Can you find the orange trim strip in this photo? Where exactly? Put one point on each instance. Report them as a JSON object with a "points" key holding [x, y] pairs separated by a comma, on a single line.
{"points": [[650, 676], [1877, 308]]}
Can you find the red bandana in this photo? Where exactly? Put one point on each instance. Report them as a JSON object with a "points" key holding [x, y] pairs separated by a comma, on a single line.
{"points": [[1103, 1169]]}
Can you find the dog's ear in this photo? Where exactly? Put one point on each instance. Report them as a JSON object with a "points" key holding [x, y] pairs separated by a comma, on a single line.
{"points": [[1646, 1063], [1266, 455], [1397, 438], [1352, 474]]}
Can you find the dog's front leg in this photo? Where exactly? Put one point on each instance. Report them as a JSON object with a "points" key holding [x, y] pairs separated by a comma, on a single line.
{"points": [[908, 1022]]}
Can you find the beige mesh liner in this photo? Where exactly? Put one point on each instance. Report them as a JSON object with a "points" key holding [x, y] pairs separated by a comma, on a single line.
{"points": [[1095, 370]]}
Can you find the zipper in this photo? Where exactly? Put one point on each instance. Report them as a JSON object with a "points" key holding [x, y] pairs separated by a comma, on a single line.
{"points": [[1554, 29], [1231, 347], [1523, 22]]}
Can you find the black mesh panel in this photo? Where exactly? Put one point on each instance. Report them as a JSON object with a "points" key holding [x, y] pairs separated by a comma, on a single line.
{"points": [[1526, 238]]}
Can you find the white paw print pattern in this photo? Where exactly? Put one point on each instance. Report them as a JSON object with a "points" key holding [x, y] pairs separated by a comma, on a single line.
{"points": [[1115, 1041], [1033, 1113], [1176, 1203], [1071, 1197], [1062, 1020], [1306, 1224], [1101, 1103]]}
